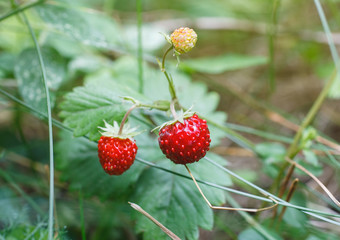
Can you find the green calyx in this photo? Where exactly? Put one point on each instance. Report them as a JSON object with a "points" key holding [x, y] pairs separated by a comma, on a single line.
{"points": [[179, 118], [113, 131]]}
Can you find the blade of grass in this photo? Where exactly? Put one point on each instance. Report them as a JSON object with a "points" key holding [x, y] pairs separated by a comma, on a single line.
{"points": [[81, 209], [332, 160], [140, 46], [234, 136], [271, 47], [259, 133], [50, 132], [21, 9], [33, 110]]}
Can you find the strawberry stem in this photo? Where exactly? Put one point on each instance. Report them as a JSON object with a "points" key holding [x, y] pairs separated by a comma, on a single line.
{"points": [[168, 77], [164, 56], [125, 118], [172, 108]]}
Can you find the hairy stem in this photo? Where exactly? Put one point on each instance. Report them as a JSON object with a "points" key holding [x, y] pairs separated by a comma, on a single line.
{"points": [[125, 118], [172, 109], [168, 77]]}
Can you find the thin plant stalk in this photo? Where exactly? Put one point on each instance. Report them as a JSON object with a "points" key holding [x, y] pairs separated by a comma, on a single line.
{"points": [[289, 196], [50, 132], [125, 118], [81, 210], [140, 45], [271, 47], [168, 76], [284, 185]]}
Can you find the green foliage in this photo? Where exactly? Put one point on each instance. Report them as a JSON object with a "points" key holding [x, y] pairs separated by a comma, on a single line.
{"points": [[272, 155], [87, 107], [220, 64], [166, 198], [89, 49], [7, 63], [29, 76], [251, 233]]}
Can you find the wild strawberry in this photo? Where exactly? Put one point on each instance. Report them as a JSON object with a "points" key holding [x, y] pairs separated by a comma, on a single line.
{"points": [[185, 142], [116, 152], [183, 39]]}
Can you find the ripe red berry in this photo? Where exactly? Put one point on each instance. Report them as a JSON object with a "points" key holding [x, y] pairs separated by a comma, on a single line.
{"points": [[116, 155], [185, 142], [116, 148]]}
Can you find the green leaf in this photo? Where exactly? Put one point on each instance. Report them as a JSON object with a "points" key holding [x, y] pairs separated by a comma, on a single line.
{"points": [[10, 40], [220, 64], [7, 62], [325, 71], [311, 157], [252, 234], [29, 76], [293, 217], [27, 232], [315, 169], [86, 107], [265, 150], [271, 154], [89, 28], [70, 23], [174, 202]]}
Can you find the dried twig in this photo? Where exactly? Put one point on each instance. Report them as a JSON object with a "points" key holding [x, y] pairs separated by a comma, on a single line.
{"points": [[330, 195], [161, 226], [229, 208]]}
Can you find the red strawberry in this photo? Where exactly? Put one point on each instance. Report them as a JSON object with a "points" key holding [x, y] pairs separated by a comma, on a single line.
{"points": [[116, 152], [185, 142]]}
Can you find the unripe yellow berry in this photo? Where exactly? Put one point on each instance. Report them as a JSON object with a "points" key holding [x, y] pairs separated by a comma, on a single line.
{"points": [[183, 39]]}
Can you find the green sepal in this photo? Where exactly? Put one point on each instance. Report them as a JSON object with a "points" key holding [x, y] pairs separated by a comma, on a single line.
{"points": [[113, 131]]}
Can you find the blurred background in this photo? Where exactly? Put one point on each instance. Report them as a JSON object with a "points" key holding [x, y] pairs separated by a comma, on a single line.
{"points": [[265, 62]]}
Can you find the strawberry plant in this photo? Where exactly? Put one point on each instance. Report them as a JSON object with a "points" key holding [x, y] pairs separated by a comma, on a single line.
{"points": [[168, 119]]}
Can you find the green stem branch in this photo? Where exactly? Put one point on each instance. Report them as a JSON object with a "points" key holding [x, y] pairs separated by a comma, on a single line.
{"points": [[168, 77], [125, 118]]}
